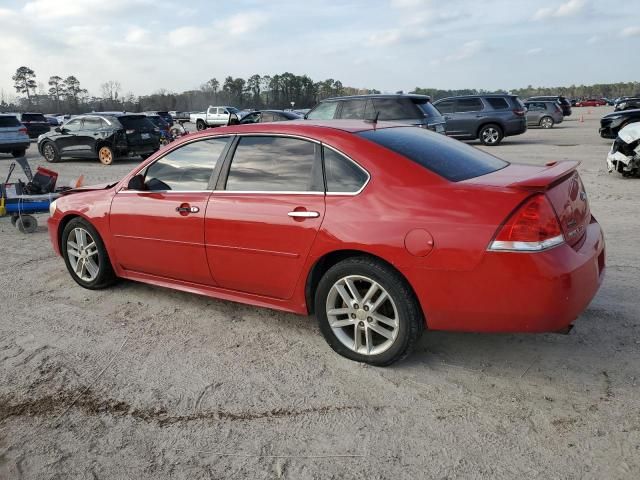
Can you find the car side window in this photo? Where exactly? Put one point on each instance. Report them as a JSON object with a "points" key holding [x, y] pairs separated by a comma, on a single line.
{"points": [[187, 168], [324, 111], [92, 124], [267, 117], [274, 164], [498, 103], [353, 109], [73, 125], [469, 105], [394, 108], [342, 175], [251, 118], [446, 106]]}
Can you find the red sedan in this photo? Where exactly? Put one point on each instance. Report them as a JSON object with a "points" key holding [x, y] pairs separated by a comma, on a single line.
{"points": [[592, 102], [379, 230]]}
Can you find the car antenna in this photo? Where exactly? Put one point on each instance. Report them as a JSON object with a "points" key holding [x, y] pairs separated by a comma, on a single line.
{"points": [[374, 120]]}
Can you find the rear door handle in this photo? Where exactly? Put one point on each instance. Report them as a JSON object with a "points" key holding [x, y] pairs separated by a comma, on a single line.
{"points": [[304, 214]]}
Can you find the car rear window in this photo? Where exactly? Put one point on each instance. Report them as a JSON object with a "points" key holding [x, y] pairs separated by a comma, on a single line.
{"points": [[394, 108], [427, 108], [9, 121], [497, 103], [33, 117], [447, 157], [136, 122]]}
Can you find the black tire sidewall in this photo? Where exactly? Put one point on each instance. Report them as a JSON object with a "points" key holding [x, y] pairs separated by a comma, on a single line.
{"points": [[105, 271], [487, 126], [56, 155], [411, 321]]}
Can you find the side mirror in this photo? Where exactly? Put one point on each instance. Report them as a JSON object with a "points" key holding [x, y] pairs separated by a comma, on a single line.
{"points": [[233, 119], [136, 183], [57, 129]]}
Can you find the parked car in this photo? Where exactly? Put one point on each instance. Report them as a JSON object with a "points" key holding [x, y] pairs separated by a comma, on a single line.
{"points": [[627, 103], [488, 118], [53, 121], [591, 102], [63, 118], [262, 116], [543, 113], [612, 123], [180, 117], [565, 104], [13, 136], [36, 123], [287, 215], [163, 127], [406, 109], [166, 116], [102, 135], [213, 117]]}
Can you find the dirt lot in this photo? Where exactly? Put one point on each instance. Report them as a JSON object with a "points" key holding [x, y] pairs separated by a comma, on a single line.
{"points": [[141, 382]]}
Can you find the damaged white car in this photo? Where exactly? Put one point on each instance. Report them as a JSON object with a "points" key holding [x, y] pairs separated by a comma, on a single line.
{"points": [[624, 156]]}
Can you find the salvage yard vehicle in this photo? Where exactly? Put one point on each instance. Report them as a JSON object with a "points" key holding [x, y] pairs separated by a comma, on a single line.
{"points": [[564, 103], [408, 109], [624, 156], [213, 117], [627, 103], [488, 118], [35, 123], [543, 113], [612, 123], [591, 102], [13, 136], [102, 135], [262, 116], [379, 230]]}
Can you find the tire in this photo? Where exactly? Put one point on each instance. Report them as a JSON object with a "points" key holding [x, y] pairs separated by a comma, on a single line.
{"points": [[200, 125], [103, 276], [50, 152], [546, 122], [14, 220], [106, 155], [19, 153], [26, 223], [490, 134], [353, 332]]}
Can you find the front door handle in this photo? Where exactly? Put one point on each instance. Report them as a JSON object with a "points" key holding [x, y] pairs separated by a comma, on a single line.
{"points": [[304, 214], [185, 208]]}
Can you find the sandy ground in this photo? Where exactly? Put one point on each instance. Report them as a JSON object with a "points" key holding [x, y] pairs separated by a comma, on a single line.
{"points": [[142, 382]]}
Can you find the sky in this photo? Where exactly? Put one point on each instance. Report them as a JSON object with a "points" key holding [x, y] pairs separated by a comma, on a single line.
{"points": [[390, 45]]}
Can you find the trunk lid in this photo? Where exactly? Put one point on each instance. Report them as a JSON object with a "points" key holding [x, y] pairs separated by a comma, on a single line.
{"points": [[139, 130]]}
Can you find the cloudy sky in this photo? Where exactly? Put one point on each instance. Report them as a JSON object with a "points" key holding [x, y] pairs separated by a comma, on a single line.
{"points": [[385, 44]]}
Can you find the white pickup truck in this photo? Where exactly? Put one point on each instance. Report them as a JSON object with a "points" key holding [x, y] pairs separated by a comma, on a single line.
{"points": [[213, 117]]}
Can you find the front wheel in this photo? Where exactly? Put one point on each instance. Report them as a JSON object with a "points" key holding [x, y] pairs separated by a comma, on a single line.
{"points": [[490, 135], [106, 155], [367, 312], [200, 125], [50, 153], [85, 255], [546, 122]]}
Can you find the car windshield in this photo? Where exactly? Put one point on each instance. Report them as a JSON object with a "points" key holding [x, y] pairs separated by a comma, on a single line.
{"points": [[136, 122], [33, 117], [232, 109], [447, 157], [9, 121]]}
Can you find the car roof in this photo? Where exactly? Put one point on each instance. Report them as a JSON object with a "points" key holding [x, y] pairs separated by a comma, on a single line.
{"points": [[379, 95], [480, 95], [7, 115], [114, 114]]}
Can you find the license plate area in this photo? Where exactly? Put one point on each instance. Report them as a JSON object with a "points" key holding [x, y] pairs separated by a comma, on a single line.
{"points": [[145, 136]]}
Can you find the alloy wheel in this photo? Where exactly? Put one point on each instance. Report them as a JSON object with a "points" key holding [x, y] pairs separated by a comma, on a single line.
{"points": [[105, 155], [490, 135], [362, 315], [546, 122], [82, 253], [49, 152]]}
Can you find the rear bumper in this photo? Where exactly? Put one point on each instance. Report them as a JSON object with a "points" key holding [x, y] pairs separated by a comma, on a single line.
{"points": [[515, 292], [34, 131], [515, 127], [10, 147]]}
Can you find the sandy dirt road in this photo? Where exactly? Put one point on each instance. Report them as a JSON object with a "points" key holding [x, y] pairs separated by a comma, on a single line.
{"points": [[147, 383]]}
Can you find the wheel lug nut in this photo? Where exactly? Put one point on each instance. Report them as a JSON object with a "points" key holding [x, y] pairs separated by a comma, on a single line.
{"points": [[356, 306], [366, 308], [369, 319], [353, 315], [361, 324]]}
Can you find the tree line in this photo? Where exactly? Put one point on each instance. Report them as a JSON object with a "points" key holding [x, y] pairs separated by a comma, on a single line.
{"points": [[285, 90]]}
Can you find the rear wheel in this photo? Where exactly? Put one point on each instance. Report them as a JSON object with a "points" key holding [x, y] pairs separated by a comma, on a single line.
{"points": [[26, 223], [490, 134], [546, 122], [50, 152], [367, 311], [105, 155], [85, 255], [19, 153], [200, 125]]}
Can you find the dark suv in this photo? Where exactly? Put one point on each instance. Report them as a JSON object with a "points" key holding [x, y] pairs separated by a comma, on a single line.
{"points": [[564, 103], [402, 108], [629, 103], [36, 123], [105, 135], [488, 118]]}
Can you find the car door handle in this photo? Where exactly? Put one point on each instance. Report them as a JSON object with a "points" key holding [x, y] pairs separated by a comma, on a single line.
{"points": [[187, 209], [304, 214]]}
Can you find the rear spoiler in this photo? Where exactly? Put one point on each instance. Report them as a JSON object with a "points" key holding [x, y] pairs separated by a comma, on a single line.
{"points": [[547, 178]]}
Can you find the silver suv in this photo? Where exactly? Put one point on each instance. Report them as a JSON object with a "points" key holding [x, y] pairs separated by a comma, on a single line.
{"points": [[488, 118], [543, 113], [13, 136]]}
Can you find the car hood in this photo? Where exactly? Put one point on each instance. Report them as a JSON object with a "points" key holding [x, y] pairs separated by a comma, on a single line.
{"points": [[90, 188], [635, 111]]}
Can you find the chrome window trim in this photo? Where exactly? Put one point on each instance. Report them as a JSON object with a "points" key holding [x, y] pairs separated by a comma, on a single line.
{"points": [[124, 190], [266, 192], [348, 194]]}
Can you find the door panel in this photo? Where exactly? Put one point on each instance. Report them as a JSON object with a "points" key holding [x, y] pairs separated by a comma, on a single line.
{"points": [[254, 245], [151, 236]]}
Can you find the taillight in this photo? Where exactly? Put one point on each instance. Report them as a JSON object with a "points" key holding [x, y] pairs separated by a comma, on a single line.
{"points": [[519, 111], [531, 228], [22, 130], [130, 131]]}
